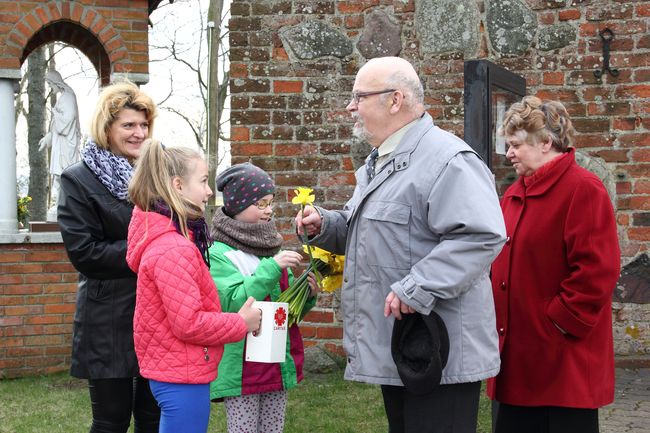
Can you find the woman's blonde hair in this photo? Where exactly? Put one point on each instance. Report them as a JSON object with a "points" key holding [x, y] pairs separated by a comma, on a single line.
{"points": [[155, 170], [113, 99], [541, 120]]}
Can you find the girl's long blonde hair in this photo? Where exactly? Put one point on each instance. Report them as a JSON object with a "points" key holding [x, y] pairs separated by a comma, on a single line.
{"points": [[155, 170]]}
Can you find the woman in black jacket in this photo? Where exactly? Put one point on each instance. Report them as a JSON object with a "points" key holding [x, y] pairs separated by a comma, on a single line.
{"points": [[94, 215]]}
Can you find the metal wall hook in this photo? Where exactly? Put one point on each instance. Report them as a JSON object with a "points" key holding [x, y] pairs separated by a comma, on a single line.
{"points": [[606, 35]]}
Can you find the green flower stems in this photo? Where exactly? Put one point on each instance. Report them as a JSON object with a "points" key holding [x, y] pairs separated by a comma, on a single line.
{"points": [[305, 239], [297, 293]]}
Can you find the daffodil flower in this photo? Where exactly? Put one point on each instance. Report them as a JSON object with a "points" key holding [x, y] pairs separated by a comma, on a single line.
{"points": [[332, 282], [334, 278], [319, 253], [304, 196]]}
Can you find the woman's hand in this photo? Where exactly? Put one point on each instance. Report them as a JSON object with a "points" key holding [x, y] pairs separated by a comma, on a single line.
{"points": [[251, 315], [287, 259], [313, 284]]}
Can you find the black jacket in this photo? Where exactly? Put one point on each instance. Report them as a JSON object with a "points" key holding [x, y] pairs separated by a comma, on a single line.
{"points": [[94, 226]]}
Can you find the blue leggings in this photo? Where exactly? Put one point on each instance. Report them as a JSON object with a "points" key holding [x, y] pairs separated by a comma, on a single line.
{"points": [[185, 408]]}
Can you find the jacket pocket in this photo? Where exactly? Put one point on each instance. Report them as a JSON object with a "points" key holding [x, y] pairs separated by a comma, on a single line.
{"points": [[97, 289], [386, 235], [552, 331]]}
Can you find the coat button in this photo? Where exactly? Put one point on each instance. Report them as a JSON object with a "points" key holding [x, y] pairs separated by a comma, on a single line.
{"points": [[345, 280], [508, 239], [205, 350], [502, 331], [503, 285], [206, 357]]}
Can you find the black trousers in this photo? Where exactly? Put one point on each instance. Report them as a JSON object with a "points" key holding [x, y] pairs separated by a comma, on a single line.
{"points": [[114, 400], [545, 419], [448, 409]]}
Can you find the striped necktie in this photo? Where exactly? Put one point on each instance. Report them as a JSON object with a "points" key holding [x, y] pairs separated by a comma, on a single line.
{"points": [[370, 165]]}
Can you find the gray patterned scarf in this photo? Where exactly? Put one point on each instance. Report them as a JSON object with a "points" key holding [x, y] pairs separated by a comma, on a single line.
{"points": [[260, 239], [113, 171]]}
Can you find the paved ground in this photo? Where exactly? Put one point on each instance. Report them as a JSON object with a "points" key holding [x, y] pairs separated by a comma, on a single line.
{"points": [[630, 411]]}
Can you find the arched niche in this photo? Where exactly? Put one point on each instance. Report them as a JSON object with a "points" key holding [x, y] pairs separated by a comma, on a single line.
{"points": [[78, 37]]}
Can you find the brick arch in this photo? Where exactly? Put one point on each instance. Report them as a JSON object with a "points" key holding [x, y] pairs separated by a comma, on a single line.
{"points": [[77, 37], [80, 26]]}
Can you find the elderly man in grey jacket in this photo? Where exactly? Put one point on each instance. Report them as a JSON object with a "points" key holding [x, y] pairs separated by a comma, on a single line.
{"points": [[419, 235]]}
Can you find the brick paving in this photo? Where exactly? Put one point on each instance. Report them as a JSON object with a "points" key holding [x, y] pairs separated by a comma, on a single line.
{"points": [[630, 411]]}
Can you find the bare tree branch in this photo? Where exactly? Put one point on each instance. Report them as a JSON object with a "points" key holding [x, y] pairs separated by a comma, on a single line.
{"points": [[190, 123], [191, 56]]}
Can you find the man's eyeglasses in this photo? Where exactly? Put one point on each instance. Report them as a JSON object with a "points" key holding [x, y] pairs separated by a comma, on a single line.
{"points": [[356, 96], [263, 204]]}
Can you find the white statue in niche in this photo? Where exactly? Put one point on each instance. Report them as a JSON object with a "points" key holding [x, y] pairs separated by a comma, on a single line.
{"points": [[63, 138]]}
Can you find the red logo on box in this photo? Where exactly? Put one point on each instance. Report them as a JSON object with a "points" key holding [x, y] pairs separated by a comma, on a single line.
{"points": [[280, 317]]}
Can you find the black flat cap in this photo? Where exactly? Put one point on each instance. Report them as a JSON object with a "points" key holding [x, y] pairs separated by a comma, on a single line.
{"points": [[420, 348]]}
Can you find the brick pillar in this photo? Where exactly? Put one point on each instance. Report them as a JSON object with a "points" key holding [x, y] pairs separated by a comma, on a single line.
{"points": [[38, 287]]}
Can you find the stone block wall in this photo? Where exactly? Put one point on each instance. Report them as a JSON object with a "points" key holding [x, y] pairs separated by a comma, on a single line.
{"points": [[293, 64]]}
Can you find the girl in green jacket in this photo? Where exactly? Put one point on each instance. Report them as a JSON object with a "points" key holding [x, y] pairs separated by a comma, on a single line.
{"points": [[246, 260]]}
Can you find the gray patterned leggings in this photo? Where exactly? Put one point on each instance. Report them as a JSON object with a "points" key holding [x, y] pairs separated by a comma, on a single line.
{"points": [[256, 413]]}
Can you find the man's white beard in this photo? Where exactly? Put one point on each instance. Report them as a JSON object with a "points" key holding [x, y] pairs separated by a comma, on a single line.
{"points": [[359, 131]]}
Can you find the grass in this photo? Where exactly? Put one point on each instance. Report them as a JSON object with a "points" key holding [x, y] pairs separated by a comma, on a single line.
{"points": [[321, 404]]}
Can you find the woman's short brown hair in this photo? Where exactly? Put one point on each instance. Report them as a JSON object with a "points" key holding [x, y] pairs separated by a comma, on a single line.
{"points": [[541, 120], [113, 99]]}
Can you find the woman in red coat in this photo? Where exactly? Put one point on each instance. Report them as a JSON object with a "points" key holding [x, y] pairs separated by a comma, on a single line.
{"points": [[553, 281]]}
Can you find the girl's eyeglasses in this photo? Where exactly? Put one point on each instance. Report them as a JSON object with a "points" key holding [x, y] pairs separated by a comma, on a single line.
{"points": [[263, 204]]}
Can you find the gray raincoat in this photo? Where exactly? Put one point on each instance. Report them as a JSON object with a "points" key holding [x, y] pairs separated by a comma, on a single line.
{"points": [[427, 227]]}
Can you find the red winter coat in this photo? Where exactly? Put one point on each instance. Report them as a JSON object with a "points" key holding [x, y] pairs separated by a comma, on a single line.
{"points": [[179, 329], [559, 267]]}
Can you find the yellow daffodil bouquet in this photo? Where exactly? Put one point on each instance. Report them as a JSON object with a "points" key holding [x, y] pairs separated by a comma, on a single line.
{"points": [[326, 267], [333, 277]]}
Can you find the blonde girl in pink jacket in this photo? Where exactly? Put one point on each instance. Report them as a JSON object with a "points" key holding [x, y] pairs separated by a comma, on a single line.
{"points": [[179, 328]]}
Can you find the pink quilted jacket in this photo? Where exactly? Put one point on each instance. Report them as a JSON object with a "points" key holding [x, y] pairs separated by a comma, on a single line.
{"points": [[179, 329]]}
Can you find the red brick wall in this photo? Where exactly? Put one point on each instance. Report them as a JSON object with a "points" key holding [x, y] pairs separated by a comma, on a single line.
{"points": [[37, 283], [289, 116], [113, 34], [37, 301]]}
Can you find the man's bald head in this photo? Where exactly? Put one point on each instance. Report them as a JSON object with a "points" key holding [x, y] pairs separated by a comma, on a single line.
{"points": [[387, 65], [387, 95], [395, 73]]}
